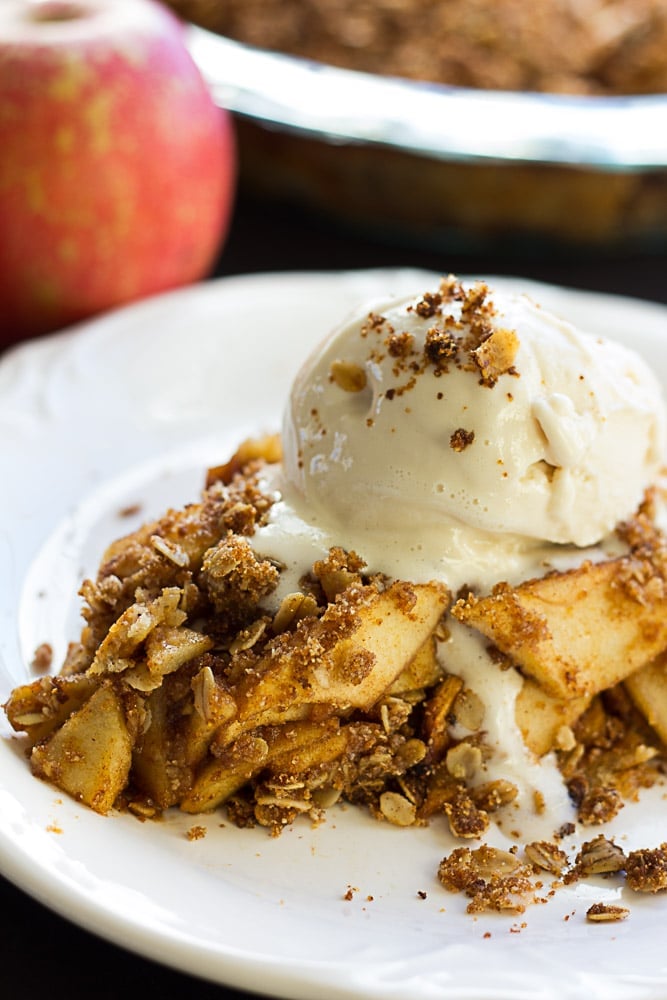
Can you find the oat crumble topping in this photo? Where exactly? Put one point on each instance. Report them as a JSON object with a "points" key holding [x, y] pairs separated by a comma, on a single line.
{"points": [[646, 869], [470, 343]]}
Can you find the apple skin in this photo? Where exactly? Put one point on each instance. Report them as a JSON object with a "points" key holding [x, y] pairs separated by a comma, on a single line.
{"points": [[117, 171]]}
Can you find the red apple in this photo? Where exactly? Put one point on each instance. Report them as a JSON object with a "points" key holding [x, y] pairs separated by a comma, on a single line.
{"points": [[117, 170]]}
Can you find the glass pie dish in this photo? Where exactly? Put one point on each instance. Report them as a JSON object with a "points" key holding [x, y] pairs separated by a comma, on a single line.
{"points": [[444, 166]]}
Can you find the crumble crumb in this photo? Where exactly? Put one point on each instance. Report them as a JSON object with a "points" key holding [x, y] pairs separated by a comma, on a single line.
{"points": [[493, 879], [461, 439], [131, 510], [42, 658], [646, 870], [196, 832]]}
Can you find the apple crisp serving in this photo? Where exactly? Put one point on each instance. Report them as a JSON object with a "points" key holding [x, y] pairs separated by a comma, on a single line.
{"points": [[435, 596], [183, 691]]}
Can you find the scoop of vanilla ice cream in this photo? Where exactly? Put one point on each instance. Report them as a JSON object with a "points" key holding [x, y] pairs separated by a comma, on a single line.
{"points": [[466, 413], [469, 436]]}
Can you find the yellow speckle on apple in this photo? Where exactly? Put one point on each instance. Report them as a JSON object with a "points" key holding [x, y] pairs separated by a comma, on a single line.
{"points": [[70, 81], [68, 250], [98, 118], [34, 191], [64, 139]]}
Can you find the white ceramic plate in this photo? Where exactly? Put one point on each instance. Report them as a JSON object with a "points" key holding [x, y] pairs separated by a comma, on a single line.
{"points": [[129, 410]]}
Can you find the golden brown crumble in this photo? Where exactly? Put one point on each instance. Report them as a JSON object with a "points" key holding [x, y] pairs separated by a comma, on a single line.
{"points": [[430, 304], [602, 47], [615, 755], [235, 579], [496, 354], [497, 880], [400, 345], [244, 459], [185, 691], [646, 870], [493, 879], [461, 439], [598, 806], [465, 819], [470, 343], [197, 832], [440, 346]]}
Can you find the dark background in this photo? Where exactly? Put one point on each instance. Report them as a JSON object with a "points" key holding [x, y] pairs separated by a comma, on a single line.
{"points": [[44, 955], [267, 237]]}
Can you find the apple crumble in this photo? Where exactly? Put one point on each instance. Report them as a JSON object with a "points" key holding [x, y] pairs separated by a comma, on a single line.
{"points": [[599, 47], [218, 667], [183, 691]]}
